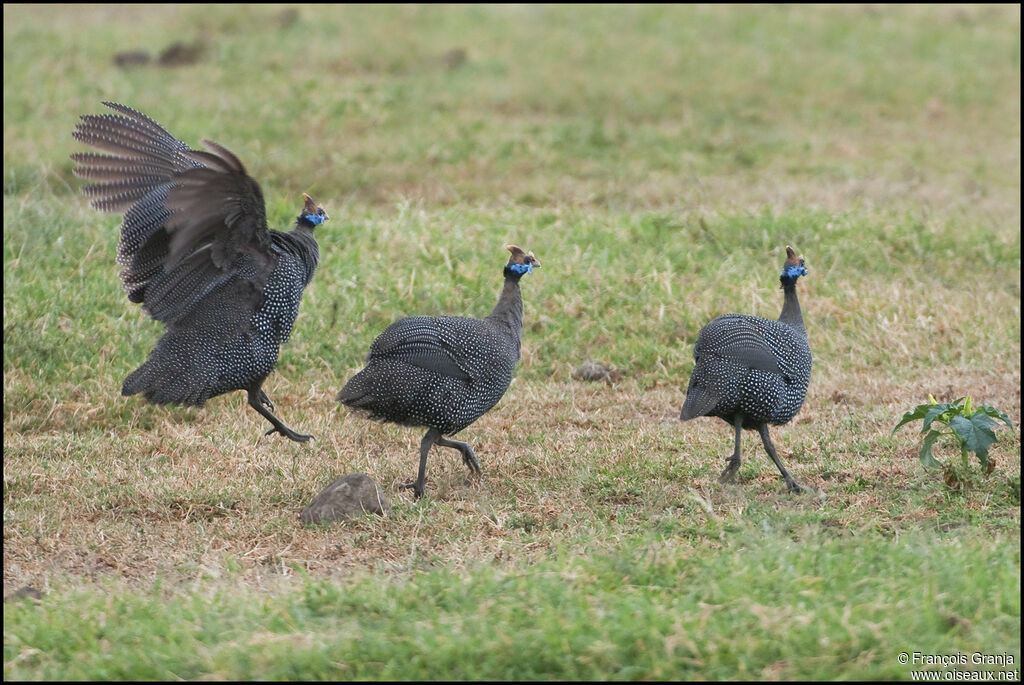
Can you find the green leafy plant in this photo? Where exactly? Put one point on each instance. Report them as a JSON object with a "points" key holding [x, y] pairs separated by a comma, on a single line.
{"points": [[971, 427]]}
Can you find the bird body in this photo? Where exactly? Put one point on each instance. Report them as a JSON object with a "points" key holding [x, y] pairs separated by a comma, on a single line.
{"points": [[197, 254], [751, 366], [185, 369], [750, 371], [443, 372]]}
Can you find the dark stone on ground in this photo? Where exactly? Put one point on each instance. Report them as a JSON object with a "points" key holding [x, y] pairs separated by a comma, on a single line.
{"points": [[179, 54], [592, 371], [131, 58], [349, 496], [27, 592], [454, 58], [286, 18]]}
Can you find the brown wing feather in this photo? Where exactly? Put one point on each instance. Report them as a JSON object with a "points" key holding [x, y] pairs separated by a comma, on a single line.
{"points": [[196, 216]]}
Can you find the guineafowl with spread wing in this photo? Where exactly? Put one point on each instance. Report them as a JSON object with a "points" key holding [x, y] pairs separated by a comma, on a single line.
{"points": [[198, 256]]}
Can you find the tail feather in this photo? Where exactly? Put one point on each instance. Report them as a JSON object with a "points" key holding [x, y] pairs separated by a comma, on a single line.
{"points": [[374, 393], [177, 372], [164, 386], [699, 402], [357, 394]]}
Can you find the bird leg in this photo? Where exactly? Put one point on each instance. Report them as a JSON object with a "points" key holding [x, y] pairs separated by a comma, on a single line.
{"points": [[432, 436], [257, 400], [468, 458], [770, 449], [732, 465]]}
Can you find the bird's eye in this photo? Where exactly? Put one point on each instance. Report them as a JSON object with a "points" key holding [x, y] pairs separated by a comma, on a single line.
{"points": [[319, 211], [801, 262]]}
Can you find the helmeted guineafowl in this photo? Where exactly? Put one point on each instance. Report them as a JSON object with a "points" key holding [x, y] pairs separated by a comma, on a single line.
{"points": [[197, 254], [443, 372], [752, 371]]}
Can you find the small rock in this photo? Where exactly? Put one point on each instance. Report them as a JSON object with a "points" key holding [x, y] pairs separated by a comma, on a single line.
{"points": [[455, 58], [131, 58], [286, 18], [592, 371], [349, 496], [178, 54], [954, 621], [27, 592]]}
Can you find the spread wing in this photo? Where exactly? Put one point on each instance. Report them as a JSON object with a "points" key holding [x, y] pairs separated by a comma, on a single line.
{"points": [[194, 238]]}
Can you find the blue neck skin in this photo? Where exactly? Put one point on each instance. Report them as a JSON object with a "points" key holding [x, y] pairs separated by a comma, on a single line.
{"points": [[521, 268], [314, 219], [793, 272]]}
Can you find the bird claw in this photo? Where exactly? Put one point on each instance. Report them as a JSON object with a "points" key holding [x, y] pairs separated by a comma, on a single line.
{"points": [[290, 434], [265, 401], [413, 485], [469, 459], [729, 474]]}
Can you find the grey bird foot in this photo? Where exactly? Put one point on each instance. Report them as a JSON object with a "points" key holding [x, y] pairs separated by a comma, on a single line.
{"points": [[729, 474], [417, 489], [289, 433], [793, 487], [469, 459]]}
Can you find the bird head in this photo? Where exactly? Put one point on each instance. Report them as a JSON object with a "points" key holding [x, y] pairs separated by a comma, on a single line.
{"points": [[520, 262], [312, 214], [793, 268]]}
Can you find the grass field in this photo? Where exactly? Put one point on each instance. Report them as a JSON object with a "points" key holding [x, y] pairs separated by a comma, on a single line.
{"points": [[657, 160]]}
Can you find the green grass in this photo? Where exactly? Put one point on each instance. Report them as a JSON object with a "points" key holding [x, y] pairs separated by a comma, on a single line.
{"points": [[742, 606], [657, 160]]}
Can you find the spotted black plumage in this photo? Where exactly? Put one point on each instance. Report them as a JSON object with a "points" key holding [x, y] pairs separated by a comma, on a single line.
{"points": [[197, 254], [443, 372], [751, 372]]}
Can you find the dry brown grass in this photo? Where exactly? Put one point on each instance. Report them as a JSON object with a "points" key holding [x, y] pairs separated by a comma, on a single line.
{"points": [[566, 465]]}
